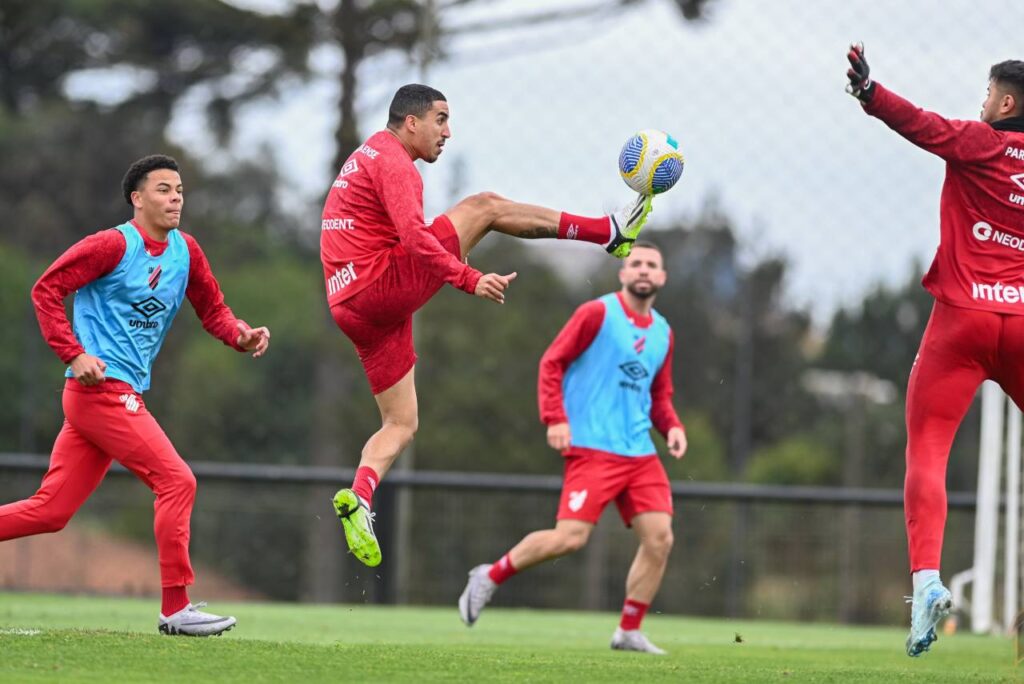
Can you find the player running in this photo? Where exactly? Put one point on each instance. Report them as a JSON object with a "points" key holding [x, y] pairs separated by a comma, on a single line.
{"points": [[603, 382], [129, 282], [976, 330], [382, 262]]}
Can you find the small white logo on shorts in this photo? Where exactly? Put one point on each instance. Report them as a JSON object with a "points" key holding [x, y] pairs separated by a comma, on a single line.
{"points": [[576, 500], [130, 401]]}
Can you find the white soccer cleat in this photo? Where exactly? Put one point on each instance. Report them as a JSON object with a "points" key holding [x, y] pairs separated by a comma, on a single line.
{"points": [[633, 640], [930, 604], [190, 621], [478, 592]]}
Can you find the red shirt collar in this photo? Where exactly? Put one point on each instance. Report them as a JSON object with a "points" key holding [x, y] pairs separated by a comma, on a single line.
{"points": [[637, 319], [153, 247]]}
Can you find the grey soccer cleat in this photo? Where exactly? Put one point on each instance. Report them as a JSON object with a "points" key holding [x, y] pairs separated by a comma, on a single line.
{"points": [[190, 621], [633, 640], [478, 592]]}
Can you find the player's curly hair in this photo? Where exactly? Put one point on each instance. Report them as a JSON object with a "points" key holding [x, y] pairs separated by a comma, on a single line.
{"points": [[138, 171], [412, 99], [1010, 75]]}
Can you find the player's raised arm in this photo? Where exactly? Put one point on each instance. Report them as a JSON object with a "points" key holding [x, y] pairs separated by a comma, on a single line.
{"points": [[952, 139], [207, 299]]}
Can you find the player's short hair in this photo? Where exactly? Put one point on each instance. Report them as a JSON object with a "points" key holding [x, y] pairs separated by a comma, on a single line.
{"points": [[647, 244], [412, 99], [138, 171], [1010, 75]]}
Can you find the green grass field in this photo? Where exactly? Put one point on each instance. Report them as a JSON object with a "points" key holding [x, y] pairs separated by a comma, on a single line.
{"points": [[85, 639]]}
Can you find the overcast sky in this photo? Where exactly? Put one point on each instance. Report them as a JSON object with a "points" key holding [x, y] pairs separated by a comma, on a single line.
{"points": [[755, 95]]}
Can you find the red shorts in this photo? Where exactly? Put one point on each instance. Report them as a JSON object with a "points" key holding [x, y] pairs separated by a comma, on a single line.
{"points": [[637, 484], [378, 319]]}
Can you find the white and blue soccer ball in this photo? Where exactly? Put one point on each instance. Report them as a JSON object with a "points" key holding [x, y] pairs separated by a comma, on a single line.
{"points": [[650, 162]]}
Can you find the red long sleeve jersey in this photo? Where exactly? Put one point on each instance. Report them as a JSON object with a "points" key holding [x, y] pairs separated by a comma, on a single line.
{"points": [[574, 339], [97, 255], [374, 207], [979, 263]]}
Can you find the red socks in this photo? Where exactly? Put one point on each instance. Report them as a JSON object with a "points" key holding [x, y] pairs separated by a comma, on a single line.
{"points": [[365, 483], [632, 614], [174, 599], [571, 227], [502, 570]]}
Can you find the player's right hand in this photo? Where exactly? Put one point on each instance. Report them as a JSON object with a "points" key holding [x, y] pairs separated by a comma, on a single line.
{"points": [[492, 286], [559, 436], [88, 370], [860, 85]]}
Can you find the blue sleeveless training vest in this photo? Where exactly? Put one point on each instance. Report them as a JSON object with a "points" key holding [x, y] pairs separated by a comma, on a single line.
{"points": [[607, 390], [123, 317]]}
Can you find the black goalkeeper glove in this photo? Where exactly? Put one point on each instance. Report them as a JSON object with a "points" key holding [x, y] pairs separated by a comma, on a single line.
{"points": [[860, 86]]}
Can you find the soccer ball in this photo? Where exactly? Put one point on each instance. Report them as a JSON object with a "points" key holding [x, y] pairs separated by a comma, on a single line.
{"points": [[650, 162]]}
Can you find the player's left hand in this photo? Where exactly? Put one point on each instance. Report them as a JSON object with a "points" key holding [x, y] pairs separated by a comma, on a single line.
{"points": [[492, 286], [860, 85], [676, 442], [255, 340]]}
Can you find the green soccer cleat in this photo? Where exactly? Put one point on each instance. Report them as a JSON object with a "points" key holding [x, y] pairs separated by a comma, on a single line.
{"points": [[627, 223], [357, 520]]}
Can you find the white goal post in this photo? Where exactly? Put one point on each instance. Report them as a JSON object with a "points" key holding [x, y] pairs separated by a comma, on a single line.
{"points": [[1000, 437]]}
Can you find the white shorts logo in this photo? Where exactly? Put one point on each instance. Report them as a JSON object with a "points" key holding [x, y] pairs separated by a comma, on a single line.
{"points": [[130, 401], [576, 500]]}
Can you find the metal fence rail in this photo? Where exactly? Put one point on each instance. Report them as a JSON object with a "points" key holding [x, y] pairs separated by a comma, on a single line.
{"points": [[309, 475]]}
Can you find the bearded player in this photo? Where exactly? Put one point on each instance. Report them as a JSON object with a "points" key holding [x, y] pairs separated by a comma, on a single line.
{"points": [[603, 382], [976, 329], [382, 261]]}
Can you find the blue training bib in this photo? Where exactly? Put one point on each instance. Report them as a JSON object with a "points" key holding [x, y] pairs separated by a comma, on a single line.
{"points": [[123, 317], [607, 390]]}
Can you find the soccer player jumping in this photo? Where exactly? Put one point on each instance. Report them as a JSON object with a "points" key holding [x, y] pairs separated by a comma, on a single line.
{"points": [[129, 282], [603, 382], [976, 329], [382, 262]]}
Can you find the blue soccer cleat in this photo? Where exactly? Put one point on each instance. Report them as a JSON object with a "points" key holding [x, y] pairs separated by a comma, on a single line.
{"points": [[930, 604]]}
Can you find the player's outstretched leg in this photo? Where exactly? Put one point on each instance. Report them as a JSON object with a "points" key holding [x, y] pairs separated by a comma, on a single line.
{"points": [[633, 640], [357, 520], [930, 604], [190, 621], [477, 594], [479, 214]]}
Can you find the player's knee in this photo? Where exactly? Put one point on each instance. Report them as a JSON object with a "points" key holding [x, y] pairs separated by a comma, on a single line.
{"points": [[572, 541], [487, 204], [185, 484], [404, 427], [53, 522], [659, 543]]}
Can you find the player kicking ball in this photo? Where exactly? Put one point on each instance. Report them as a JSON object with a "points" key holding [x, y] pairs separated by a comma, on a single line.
{"points": [[382, 261], [129, 282], [976, 329], [603, 382]]}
